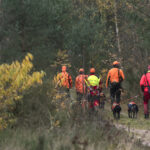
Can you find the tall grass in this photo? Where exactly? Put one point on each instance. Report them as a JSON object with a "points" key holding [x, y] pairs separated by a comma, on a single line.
{"points": [[44, 125], [80, 132]]}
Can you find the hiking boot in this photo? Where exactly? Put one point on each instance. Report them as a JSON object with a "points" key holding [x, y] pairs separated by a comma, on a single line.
{"points": [[146, 116]]}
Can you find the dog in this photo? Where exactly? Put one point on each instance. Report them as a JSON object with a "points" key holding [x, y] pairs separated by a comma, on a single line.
{"points": [[116, 109], [132, 110]]}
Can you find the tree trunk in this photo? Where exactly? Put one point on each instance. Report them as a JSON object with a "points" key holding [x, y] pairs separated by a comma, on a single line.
{"points": [[116, 25]]}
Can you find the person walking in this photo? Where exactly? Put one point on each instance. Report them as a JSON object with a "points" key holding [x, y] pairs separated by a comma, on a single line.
{"points": [[94, 86], [80, 84], [114, 79], [64, 80], [145, 87]]}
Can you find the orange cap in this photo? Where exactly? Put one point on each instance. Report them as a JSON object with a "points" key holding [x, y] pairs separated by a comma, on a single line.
{"points": [[116, 63], [64, 68], [81, 70], [92, 70]]}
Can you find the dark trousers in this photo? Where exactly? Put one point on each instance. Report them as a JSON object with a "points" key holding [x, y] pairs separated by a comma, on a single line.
{"points": [[79, 96], [115, 92]]}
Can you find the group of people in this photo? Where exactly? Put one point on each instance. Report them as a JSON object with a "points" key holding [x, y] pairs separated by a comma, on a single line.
{"points": [[90, 86]]}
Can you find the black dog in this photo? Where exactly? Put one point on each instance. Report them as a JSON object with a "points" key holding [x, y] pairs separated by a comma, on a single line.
{"points": [[116, 109], [132, 110]]}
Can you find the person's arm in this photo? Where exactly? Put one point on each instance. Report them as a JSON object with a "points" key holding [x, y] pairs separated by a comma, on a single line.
{"points": [[58, 80], [122, 75], [86, 82], [70, 81]]}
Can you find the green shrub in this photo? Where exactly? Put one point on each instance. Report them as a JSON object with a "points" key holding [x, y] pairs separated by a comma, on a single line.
{"points": [[15, 80]]}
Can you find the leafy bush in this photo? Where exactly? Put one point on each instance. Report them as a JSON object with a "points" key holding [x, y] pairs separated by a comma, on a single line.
{"points": [[15, 79]]}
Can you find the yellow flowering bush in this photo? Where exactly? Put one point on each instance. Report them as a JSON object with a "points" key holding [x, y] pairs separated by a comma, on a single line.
{"points": [[15, 79]]}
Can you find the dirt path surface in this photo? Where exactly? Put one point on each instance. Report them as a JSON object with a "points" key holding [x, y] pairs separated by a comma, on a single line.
{"points": [[143, 135]]}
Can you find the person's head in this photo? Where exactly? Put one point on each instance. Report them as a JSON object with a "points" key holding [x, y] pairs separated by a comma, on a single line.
{"points": [[81, 70], [92, 71], [64, 68], [148, 67], [116, 64]]}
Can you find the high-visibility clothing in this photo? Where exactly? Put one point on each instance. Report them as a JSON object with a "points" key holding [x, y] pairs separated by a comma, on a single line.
{"points": [[94, 85], [65, 80], [144, 80], [93, 81], [80, 83], [114, 105], [132, 103], [114, 75]]}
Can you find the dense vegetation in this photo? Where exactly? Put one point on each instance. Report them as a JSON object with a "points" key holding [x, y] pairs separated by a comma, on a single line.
{"points": [[87, 30], [78, 33]]}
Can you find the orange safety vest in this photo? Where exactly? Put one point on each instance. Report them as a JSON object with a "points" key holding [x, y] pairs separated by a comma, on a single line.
{"points": [[145, 80], [80, 83], [65, 79], [113, 75]]}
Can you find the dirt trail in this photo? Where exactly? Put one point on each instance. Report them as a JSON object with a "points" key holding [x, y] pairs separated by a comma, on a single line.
{"points": [[142, 135], [139, 134]]}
